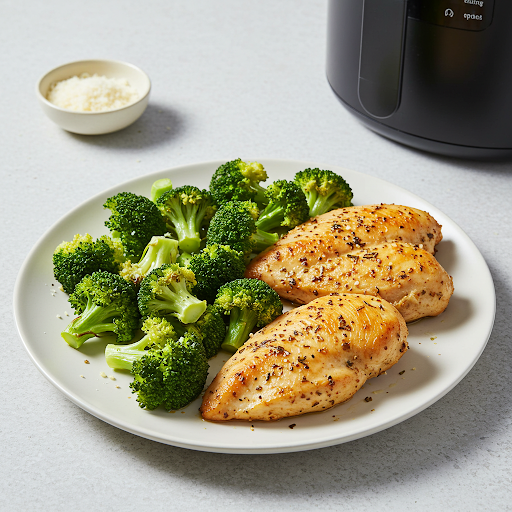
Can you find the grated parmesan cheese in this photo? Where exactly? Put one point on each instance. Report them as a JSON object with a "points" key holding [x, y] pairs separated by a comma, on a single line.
{"points": [[86, 93]]}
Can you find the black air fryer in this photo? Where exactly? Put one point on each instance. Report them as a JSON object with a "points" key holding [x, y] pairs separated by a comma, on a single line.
{"points": [[433, 74]]}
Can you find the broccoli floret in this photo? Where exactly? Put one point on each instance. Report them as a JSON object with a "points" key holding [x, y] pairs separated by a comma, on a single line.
{"points": [[159, 187], [160, 250], [158, 332], [239, 181], [325, 190], [210, 329], [82, 256], [234, 225], [166, 291], [249, 303], [187, 210], [172, 376], [105, 302], [134, 220], [214, 266], [287, 207]]}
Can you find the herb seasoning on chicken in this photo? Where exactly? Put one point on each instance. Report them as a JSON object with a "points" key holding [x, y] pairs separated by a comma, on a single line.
{"points": [[309, 359], [381, 250]]}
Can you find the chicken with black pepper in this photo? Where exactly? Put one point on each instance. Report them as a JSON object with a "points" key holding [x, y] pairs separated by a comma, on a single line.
{"points": [[381, 250], [308, 359]]}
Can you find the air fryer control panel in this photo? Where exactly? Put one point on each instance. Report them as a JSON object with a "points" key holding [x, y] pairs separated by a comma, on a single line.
{"points": [[461, 14]]}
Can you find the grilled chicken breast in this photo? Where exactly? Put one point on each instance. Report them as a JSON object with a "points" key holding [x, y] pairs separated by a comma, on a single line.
{"points": [[405, 275], [382, 250], [309, 359], [345, 229]]}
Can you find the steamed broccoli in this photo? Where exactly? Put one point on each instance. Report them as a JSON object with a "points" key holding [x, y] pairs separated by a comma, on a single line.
{"points": [[187, 210], [184, 258], [234, 224], [134, 220], [249, 303], [287, 207], [210, 329], [214, 266], [105, 302], [83, 255], [166, 291], [158, 331], [238, 181], [160, 250], [325, 190], [159, 187], [172, 376]]}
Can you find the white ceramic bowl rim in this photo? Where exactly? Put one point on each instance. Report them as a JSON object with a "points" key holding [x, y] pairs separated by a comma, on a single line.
{"points": [[89, 61]]}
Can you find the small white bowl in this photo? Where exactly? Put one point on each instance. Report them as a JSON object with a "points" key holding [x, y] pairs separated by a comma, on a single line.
{"points": [[95, 123]]}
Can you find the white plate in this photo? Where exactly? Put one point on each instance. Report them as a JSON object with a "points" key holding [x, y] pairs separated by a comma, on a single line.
{"points": [[442, 349]]}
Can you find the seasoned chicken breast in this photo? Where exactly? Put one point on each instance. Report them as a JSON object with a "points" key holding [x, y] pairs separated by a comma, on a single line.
{"points": [[384, 250], [405, 275], [309, 359], [343, 230]]}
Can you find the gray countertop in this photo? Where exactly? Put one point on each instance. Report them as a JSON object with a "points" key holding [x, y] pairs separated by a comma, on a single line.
{"points": [[230, 79]]}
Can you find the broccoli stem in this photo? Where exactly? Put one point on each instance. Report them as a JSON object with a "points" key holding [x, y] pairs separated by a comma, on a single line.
{"points": [[179, 301], [263, 239], [241, 323], [319, 204], [270, 218], [184, 259], [260, 197], [186, 226], [190, 244], [159, 187], [160, 250], [122, 357], [93, 321]]}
